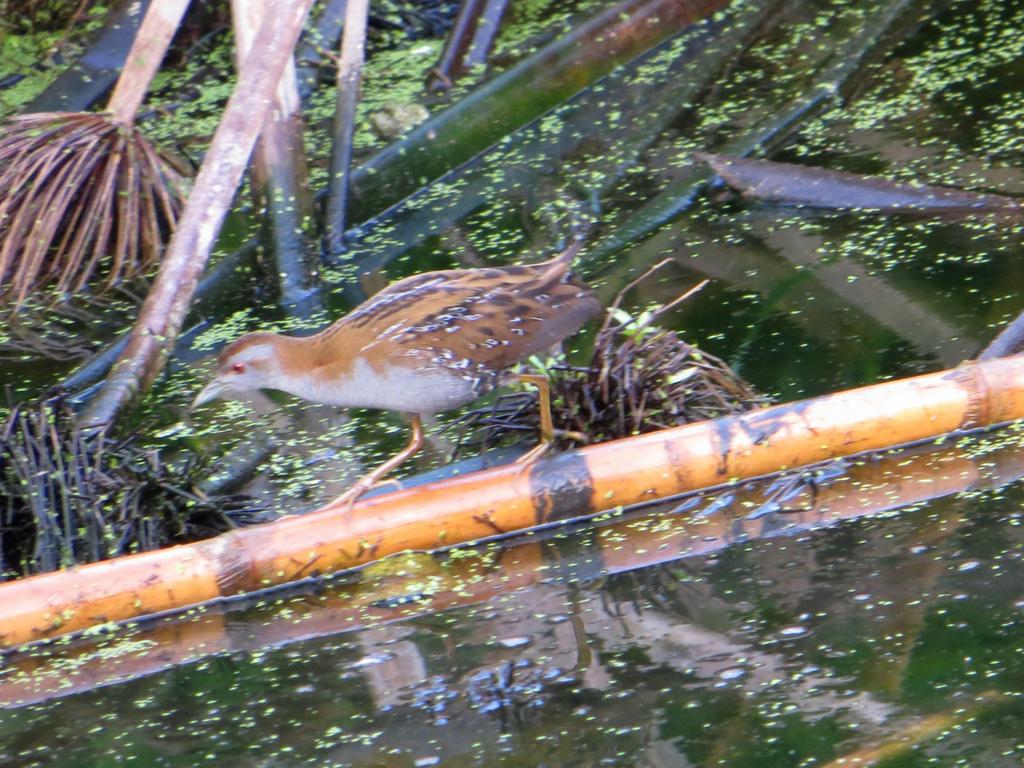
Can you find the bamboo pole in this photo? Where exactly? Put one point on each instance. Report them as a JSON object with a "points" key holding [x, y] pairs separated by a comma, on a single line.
{"points": [[510, 498], [869, 488]]}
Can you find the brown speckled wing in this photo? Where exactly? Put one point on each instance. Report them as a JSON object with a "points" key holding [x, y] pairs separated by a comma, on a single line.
{"points": [[474, 322]]}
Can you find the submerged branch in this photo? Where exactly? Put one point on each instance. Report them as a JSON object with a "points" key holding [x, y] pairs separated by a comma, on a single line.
{"points": [[822, 188], [94, 73], [519, 95], [280, 178], [644, 96], [450, 65], [832, 83], [350, 74], [323, 35], [1010, 341], [485, 34]]}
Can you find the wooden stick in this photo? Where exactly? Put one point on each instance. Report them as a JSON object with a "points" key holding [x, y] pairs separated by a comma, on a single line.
{"points": [[170, 296], [147, 52], [506, 499], [280, 176], [485, 34], [449, 66], [350, 73]]}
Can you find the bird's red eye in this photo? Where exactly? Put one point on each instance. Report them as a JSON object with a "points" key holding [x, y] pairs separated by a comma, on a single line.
{"points": [[238, 367]]}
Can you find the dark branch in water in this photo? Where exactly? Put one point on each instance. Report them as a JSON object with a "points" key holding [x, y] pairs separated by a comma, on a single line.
{"points": [[522, 93], [834, 82], [821, 188], [646, 98], [450, 65], [470, 41], [485, 34], [350, 71], [1010, 341], [90, 78], [325, 32]]}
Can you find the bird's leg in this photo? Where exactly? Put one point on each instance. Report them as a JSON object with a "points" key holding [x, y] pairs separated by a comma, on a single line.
{"points": [[547, 427], [370, 479]]}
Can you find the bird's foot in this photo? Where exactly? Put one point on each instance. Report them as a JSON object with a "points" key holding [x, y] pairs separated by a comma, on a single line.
{"points": [[349, 498], [534, 453], [545, 445]]}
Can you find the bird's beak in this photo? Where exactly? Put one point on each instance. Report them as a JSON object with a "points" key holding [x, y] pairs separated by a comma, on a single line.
{"points": [[210, 392]]}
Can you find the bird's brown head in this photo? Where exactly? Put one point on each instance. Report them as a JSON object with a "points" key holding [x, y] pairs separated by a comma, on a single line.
{"points": [[250, 362]]}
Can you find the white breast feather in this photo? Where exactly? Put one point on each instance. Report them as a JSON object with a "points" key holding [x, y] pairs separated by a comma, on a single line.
{"points": [[410, 390]]}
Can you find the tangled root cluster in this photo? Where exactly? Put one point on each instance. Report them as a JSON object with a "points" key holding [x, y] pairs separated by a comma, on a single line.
{"points": [[85, 202], [68, 497], [640, 378]]}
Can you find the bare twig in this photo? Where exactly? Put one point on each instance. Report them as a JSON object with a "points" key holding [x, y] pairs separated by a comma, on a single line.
{"points": [[450, 65], [280, 176], [350, 69]]}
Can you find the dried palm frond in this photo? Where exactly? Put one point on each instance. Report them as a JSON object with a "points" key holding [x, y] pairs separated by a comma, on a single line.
{"points": [[87, 195], [69, 497], [81, 197]]}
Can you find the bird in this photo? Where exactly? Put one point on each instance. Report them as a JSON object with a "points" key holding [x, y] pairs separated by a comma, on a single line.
{"points": [[428, 343]]}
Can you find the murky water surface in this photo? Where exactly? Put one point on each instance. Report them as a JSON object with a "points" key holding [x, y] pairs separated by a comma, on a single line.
{"points": [[682, 635], [872, 613]]}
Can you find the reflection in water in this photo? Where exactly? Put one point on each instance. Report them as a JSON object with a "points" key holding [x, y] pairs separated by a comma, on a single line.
{"points": [[724, 634]]}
